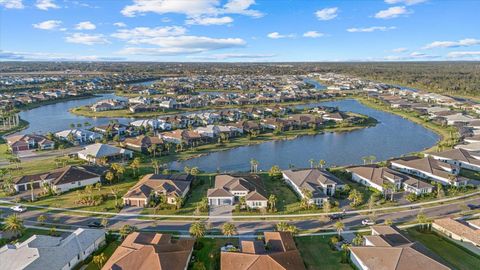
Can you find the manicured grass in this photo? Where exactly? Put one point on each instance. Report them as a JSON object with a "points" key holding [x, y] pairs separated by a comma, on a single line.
{"points": [[107, 251], [470, 174], [455, 255], [286, 198], [317, 254], [38, 166], [4, 155], [207, 252]]}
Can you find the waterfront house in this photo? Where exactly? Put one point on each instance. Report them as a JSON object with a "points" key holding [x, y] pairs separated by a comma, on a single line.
{"points": [[189, 137], [25, 142], [458, 230], [140, 100], [50, 252], [334, 116], [150, 186], [142, 143], [380, 177], [230, 188], [431, 169], [459, 157], [93, 153], [276, 252], [60, 180], [387, 248], [112, 129], [108, 104], [78, 136], [151, 251], [319, 182]]}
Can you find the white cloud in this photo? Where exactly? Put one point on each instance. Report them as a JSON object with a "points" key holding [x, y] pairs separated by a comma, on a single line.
{"points": [[147, 32], [46, 4], [86, 39], [120, 24], [313, 34], [209, 20], [48, 25], [451, 44], [464, 54], [276, 35], [399, 50], [327, 14], [87, 25], [46, 56], [226, 56], [191, 8], [370, 29], [14, 4], [392, 12], [411, 56], [406, 2]]}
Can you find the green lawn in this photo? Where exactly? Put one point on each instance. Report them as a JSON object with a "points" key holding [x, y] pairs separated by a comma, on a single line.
{"points": [[317, 254], [470, 174], [455, 255], [107, 251], [207, 252], [38, 166], [286, 198], [3, 152]]}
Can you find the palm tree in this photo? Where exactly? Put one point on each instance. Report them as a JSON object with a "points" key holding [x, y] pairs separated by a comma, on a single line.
{"points": [[372, 158], [156, 166], [153, 149], [253, 165], [178, 202], [135, 165], [99, 260], [194, 171], [365, 159], [126, 230], [307, 196], [339, 226], [272, 202], [119, 169], [14, 224], [358, 240], [312, 161], [197, 229], [109, 176], [229, 229], [322, 163]]}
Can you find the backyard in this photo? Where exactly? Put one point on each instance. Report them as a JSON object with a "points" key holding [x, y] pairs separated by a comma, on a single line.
{"points": [[317, 254], [455, 255], [206, 254]]}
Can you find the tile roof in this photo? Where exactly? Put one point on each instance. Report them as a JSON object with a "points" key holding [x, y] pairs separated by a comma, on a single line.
{"points": [[460, 229], [311, 179], [174, 185]]}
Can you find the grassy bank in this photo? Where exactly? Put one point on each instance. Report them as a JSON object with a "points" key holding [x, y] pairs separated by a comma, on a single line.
{"points": [[446, 133], [21, 126]]}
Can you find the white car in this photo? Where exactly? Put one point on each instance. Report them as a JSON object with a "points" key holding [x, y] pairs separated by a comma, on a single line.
{"points": [[368, 222], [18, 208]]}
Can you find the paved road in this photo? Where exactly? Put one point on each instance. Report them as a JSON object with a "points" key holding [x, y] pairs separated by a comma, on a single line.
{"points": [[245, 227]]}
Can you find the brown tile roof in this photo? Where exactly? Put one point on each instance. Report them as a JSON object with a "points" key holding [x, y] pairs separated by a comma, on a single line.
{"points": [[460, 229], [226, 184], [151, 251], [60, 176], [311, 179], [377, 175], [458, 154], [173, 185], [143, 141], [429, 165], [282, 254]]}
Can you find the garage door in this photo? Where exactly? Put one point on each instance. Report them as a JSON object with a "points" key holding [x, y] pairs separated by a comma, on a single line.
{"points": [[21, 188], [225, 202]]}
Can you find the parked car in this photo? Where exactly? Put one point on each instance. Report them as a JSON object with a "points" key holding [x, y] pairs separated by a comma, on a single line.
{"points": [[94, 224], [18, 208], [368, 222], [473, 206]]}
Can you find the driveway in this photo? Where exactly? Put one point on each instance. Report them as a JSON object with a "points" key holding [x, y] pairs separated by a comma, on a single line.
{"points": [[220, 214]]}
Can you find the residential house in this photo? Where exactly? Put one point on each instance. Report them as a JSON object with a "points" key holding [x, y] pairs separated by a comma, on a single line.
{"points": [[93, 153], [230, 188], [380, 177], [25, 142], [168, 104], [388, 248], [320, 183], [459, 157], [140, 100], [112, 129], [431, 169], [49, 252], [60, 180], [142, 143], [78, 135], [178, 136], [458, 230], [278, 252], [107, 105], [151, 251], [334, 116], [248, 126], [157, 185]]}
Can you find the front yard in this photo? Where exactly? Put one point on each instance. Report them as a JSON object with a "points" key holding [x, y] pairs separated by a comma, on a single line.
{"points": [[455, 255]]}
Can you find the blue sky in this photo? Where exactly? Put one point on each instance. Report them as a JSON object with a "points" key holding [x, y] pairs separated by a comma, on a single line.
{"points": [[240, 30]]}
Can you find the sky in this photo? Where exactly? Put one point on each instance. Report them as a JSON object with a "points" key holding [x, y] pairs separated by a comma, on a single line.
{"points": [[239, 30]]}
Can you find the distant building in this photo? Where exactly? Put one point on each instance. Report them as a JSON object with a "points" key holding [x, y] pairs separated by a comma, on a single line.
{"points": [[25, 142]]}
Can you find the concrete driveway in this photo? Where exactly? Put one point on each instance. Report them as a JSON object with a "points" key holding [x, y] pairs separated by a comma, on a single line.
{"points": [[225, 211]]}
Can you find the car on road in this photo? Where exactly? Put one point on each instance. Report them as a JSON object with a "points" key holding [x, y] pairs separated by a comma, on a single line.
{"points": [[336, 216], [368, 222], [18, 208], [94, 224], [473, 206]]}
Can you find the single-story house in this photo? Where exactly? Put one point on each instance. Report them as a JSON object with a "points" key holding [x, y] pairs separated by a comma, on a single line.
{"points": [[178, 136], [142, 143], [94, 152], [49, 252], [25, 142], [430, 168], [459, 157], [388, 248], [151, 251], [458, 230], [170, 186], [61, 180], [78, 135], [277, 252], [230, 188], [319, 182]]}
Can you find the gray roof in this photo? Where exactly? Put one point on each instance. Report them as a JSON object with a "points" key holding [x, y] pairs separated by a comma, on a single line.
{"points": [[311, 179], [99, 150]]}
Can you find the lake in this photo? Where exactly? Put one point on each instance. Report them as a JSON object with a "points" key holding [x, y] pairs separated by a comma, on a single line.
{"points": [[393, 136]]}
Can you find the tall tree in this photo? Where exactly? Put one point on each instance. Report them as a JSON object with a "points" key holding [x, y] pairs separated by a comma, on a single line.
{"points": [[14, 225], [229, 229]]}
